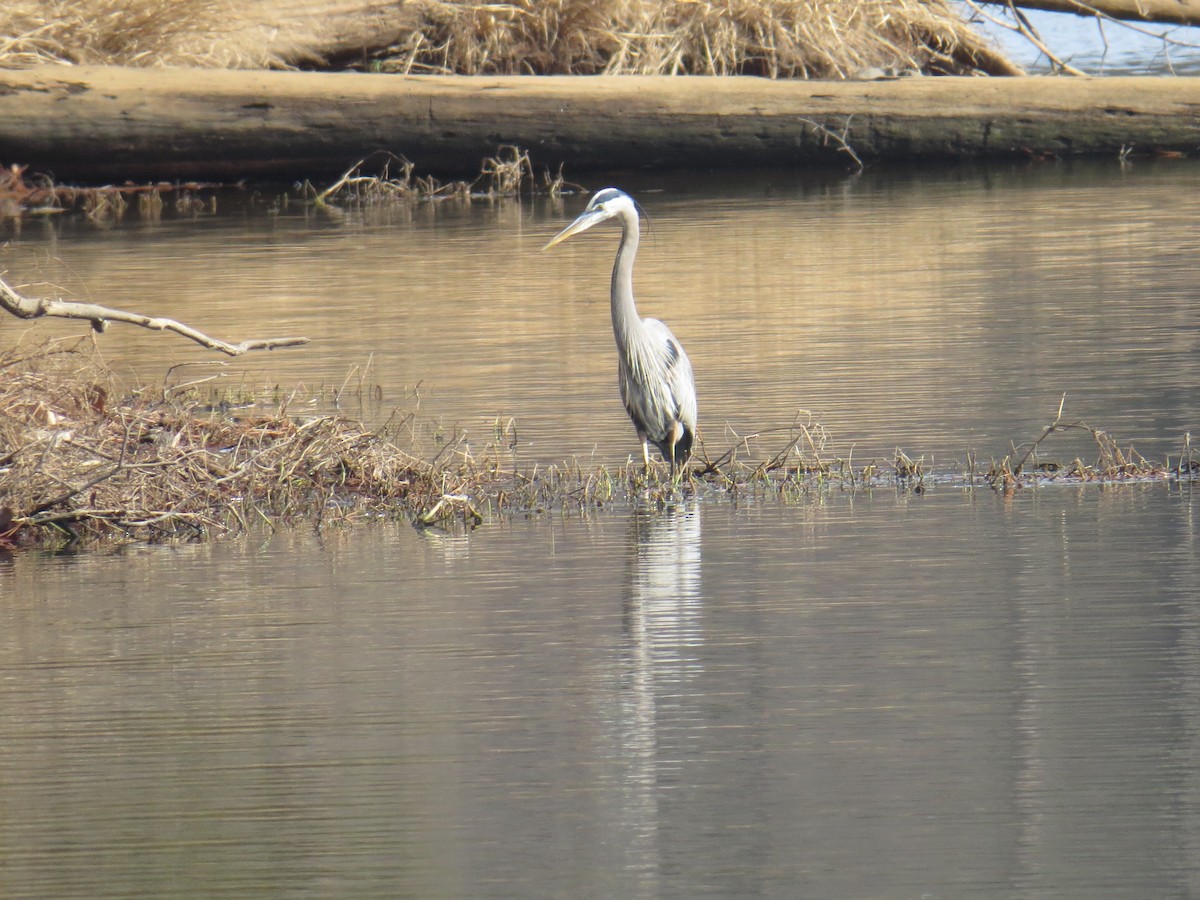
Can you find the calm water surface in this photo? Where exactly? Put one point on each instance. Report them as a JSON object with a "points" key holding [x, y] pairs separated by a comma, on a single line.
{"points": [[940, 694], [941, 314], [878, 695], [1095, 46]]}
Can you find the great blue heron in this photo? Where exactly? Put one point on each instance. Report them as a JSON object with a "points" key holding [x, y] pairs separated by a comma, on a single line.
{"points": [[654, 373]]}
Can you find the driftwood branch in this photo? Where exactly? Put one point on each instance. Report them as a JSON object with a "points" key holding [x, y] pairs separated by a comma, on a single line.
{"points": [[1025, 28], [24, 307], [1174, 12]]}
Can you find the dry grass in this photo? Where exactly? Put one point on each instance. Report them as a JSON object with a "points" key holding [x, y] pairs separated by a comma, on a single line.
{"points": [[80, 460], [120, 32], [1028, 464], [77, 462], [507, 174], [380, 179], [773, 38]]}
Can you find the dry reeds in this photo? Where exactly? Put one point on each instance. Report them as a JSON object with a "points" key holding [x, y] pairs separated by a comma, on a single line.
{"points": [[773, 38], [1026, 464], [76, 461], [507, 174], [112, 32], [22, 194], [380, 179], [81, 461]]}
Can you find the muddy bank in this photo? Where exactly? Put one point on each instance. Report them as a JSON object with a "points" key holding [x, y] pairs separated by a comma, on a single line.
{"points": [[112, 123]]}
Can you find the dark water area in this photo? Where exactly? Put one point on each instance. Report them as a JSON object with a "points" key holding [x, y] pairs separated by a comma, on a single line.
{"points": [[944, 693]]}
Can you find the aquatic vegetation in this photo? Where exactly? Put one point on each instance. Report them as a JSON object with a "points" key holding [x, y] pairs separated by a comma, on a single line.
{"points": [[79, 460], [83, 459], [24, 193], [1026, 462], [507, 174], [382, 178]]}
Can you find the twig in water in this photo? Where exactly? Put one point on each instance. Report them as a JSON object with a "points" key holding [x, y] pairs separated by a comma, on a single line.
{"points": [[839, 139], [1113, 463], [435, 514]]}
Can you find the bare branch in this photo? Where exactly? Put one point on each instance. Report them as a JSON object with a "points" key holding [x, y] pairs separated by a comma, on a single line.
{"points": [[100, 316], [1177, 12], [840, 139], [1026, 29], [1121, 13]]}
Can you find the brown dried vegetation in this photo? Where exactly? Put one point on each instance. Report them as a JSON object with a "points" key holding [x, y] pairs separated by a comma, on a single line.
{"points": [[773, 38], [25, 194], [1027, 463], [113, 32], [80, 460]]}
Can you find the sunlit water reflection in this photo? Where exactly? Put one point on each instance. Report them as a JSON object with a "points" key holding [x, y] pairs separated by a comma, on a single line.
{"points": [[874, 694], [944, 314]]}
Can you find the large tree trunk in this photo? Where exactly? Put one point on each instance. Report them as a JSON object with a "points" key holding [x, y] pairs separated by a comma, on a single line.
{"points": [[112, 123], [1177, 12]]}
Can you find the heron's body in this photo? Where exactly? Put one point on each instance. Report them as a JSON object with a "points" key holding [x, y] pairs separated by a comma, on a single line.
{"points": [[654, 374]]}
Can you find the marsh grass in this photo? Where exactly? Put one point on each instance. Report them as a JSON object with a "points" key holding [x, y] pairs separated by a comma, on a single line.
{"points": [[83, 459], [24, 193], [1029, 462], [386, 178], [772, 38], [380, 179], [79, 462]]}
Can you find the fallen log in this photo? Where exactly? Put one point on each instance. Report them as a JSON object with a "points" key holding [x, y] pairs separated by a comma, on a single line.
{"points": [[1173, 12], [117, 123]]}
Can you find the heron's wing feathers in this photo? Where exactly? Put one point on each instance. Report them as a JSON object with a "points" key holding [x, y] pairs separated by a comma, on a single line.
{"points": [[657, 386]]}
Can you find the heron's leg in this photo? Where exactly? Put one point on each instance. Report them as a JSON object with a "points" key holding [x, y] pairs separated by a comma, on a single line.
{"points": [[646, 454]]}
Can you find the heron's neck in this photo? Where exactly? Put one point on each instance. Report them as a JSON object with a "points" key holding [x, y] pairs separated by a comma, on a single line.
{"points": [[624, 312]]}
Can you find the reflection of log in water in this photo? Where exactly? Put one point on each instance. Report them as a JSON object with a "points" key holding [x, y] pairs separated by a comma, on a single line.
{"points": [[662, 629]]}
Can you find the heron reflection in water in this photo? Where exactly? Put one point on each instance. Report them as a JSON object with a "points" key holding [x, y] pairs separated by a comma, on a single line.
{"points": [[654, 373]]}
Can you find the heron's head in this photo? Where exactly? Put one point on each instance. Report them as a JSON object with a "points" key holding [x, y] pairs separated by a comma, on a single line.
{"points": [[606, 204]]}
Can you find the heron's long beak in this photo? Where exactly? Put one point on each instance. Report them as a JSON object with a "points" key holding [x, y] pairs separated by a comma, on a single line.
{"points": [[585, 221]]}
